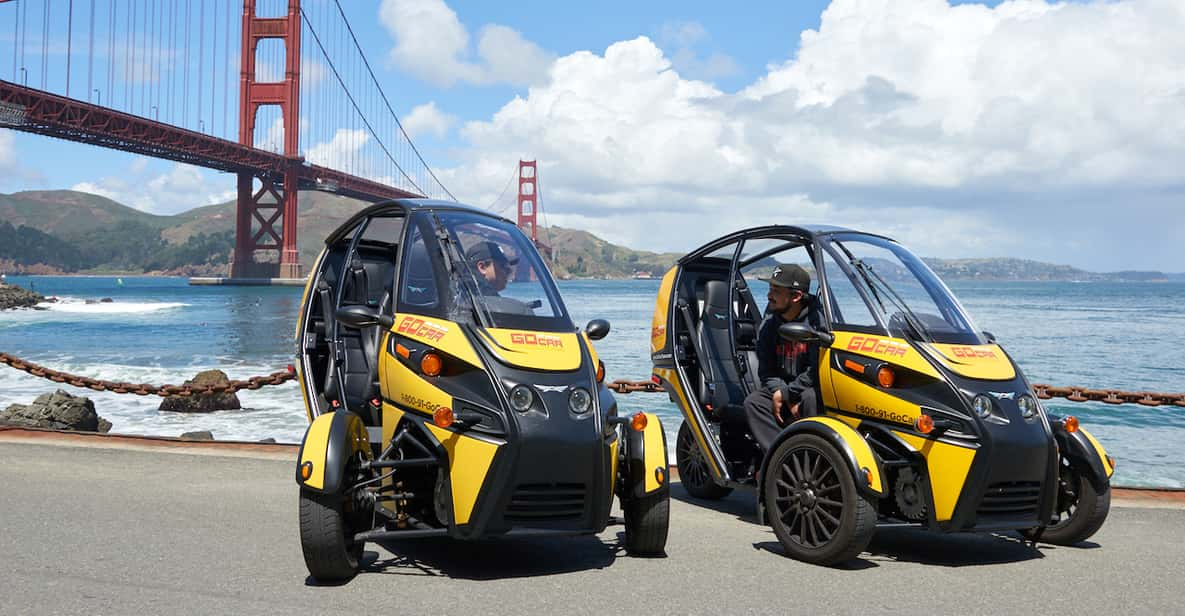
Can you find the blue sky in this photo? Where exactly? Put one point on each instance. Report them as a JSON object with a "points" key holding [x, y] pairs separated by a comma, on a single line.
{"points": [[1052, 131]]}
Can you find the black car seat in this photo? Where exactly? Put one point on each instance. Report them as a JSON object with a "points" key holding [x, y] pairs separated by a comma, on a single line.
{"points": [[359, 347], [748, 320], [720, 384]]}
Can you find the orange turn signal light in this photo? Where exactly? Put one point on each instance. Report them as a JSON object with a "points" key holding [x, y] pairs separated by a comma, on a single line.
{"points": [[431, 364], [600, 371], [402, 351], [660, 474], [1111, 461], [854, 366], [306, 470], [924, 424], [443, 417], [1070, 423], [867, 476], [885, 377], [638, 422]]}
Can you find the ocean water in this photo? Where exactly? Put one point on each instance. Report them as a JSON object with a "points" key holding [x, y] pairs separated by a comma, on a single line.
{"points": [[160, 330]]}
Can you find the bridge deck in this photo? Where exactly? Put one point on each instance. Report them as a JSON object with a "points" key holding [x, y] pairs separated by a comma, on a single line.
{"points": [[113, 525]]}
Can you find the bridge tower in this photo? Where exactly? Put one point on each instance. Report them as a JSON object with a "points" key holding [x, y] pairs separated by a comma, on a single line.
{"points": [[527, 198], [259, 210]]}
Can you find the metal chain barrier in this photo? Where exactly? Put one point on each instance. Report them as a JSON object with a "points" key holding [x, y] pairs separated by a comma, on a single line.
{"points": [[1042, 391], [144, 389]]}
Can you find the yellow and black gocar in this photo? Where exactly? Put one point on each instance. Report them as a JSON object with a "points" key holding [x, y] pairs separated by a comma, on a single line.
{"points": [[925, 420], [449, 394]]}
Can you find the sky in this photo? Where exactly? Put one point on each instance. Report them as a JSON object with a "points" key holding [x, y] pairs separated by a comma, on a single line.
{"points": [[1042, 130]]}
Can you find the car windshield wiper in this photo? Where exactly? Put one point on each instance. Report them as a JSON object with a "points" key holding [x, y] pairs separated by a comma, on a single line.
{"points": [[872, 278], [452, 257]]}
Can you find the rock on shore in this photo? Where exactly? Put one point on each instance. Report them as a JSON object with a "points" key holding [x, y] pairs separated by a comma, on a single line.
{"points": [[56, 411], [12, 296], [203, 403]]}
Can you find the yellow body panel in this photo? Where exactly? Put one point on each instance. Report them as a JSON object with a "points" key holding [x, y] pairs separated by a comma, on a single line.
{"points": [[439, 333], [592, 352], [1102, 453], [316, 443], [662, 306], [863, 399], [825, 385], [613, 459], [404, 386], [859, 447], [668, 375], [982, 361], [947, 466], [300, 325], [536, 350], [892, 350], [468, 476], [655, 452]]}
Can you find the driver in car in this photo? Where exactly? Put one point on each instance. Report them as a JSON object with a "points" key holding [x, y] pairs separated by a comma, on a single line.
{"points": [[788, 369], [493, 270], [492, 265]]}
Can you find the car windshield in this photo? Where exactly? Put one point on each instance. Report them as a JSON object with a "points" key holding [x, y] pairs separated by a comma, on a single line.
{"points": [[498, 270], [908, 297]]}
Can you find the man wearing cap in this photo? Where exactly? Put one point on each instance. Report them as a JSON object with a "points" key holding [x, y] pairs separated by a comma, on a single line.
{"points": [[787, 368], [491, 265]]}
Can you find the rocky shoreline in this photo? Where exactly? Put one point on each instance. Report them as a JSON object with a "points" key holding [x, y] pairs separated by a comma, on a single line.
{"points": [[12, 296]]}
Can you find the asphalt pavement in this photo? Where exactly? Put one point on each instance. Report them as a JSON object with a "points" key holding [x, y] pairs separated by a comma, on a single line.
{"points": [[96, 530]]}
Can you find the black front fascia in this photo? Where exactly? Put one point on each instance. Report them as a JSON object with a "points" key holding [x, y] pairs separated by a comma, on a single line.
{"points": [[553, 475]]}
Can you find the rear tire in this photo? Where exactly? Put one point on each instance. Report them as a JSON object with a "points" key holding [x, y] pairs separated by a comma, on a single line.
{"points": [[1081, 511], [326, 538], [693, 468], [813, 504], [647, 520]]}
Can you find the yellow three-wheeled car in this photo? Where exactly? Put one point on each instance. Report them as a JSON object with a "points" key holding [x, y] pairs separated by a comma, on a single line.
{"points": [[926, 420], [449, 393]]}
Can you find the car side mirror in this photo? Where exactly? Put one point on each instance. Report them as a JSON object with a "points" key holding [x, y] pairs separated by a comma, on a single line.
{"points": [[990, 337], [801, 332], [597, 329], [359, 316]]}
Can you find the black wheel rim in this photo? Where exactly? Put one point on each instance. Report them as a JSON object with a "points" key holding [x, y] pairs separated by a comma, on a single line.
{"points": [[1069, 491], [809, 498], [693, 470]]}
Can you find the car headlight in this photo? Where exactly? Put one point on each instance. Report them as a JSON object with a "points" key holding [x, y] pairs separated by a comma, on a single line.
{"points": [[521, 398], [579, 401], [982, 405], [1028, 406]]}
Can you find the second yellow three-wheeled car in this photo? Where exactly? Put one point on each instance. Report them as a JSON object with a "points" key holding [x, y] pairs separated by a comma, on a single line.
{"points": [[926, 421]]}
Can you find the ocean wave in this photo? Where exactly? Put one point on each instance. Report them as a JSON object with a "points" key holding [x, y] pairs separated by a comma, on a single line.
{"points": [[78, 306]]}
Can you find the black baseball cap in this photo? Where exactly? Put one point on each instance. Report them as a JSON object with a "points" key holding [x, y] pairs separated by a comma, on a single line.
{"points": [[790, 277], [487, 251]]}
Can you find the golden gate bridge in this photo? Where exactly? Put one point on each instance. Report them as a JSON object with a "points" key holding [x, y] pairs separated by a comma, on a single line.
{"points": [[278, 92]]}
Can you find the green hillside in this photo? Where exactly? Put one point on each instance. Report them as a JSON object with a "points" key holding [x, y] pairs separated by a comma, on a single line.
{"points": [[64, 231]]}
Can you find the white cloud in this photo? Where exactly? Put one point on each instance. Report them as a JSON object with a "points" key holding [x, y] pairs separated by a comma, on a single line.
{"points": [[963, 130], [7, 149], [180, 188], [340, 151], [426, 119], [432, 44]]}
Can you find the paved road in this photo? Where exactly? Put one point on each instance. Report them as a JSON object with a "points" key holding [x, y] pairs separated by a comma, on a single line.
{"points": [[101, 531]]}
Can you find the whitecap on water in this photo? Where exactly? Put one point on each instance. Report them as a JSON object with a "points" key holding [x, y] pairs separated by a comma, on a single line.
{"points": [[91, 307]]}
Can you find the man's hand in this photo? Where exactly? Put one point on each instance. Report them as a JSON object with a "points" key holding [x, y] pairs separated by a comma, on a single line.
{"points": [[778, 405]]}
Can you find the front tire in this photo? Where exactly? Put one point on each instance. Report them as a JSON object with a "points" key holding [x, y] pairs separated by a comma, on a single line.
{"points": [[693, 468], [813, 504], [647, 520], [326, 537], [1080, 513]]}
